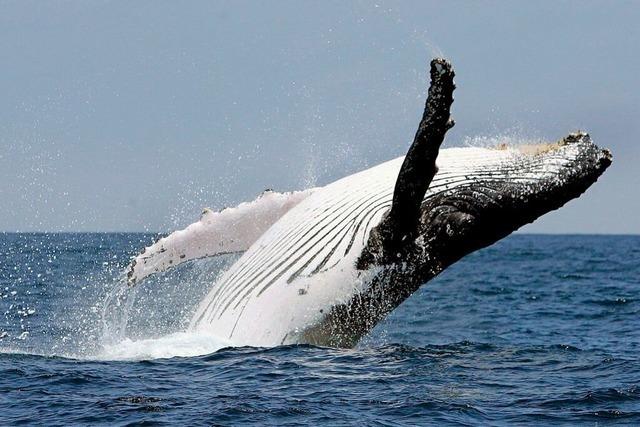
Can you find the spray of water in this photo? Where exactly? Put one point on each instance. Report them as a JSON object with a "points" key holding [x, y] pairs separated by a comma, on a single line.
{"points": [[65, 295], [151, 320]]}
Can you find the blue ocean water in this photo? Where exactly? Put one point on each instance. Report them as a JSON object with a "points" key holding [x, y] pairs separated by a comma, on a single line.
{"points": [[534, 330]]}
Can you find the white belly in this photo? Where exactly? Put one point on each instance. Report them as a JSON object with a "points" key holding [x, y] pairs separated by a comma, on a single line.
{"points": [[305, 263]]}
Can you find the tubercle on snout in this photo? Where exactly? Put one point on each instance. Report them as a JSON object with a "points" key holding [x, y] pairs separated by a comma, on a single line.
{"points": [[575, 137], [604, 155]]}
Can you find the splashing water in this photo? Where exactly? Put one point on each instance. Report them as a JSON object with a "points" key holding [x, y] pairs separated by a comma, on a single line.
{"points": [[116, 345], [115, 311], [179, 344], [85, 310], [150, 321]]}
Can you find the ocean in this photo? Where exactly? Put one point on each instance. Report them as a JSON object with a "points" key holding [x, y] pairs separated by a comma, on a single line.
{"points": [[534, 330]]}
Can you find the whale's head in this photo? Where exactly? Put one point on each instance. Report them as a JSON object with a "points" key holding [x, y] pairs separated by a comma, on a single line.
{"points": [[502, 194], [477, 196]]}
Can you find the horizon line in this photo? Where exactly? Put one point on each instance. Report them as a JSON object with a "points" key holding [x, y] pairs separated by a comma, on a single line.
{"points": [[574, 233]]}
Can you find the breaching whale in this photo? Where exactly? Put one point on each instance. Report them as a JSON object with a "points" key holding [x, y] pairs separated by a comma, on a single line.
{"points": [[324, 265]]}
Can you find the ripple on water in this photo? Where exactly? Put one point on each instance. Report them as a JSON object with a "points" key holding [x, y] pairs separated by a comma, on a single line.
{"points": [[473, 347]]}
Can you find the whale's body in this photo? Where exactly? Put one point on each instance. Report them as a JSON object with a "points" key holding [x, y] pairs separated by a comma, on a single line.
{"points": [[324, 265], [305, 263]]}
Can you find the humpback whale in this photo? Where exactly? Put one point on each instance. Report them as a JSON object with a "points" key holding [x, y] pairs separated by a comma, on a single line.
{"points": [[322, 266]]}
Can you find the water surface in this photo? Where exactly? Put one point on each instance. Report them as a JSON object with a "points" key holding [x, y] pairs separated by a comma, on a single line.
{"points": [[533, 330]]}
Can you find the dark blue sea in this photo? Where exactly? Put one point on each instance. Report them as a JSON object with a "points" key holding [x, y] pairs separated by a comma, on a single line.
{"points": [[535, 330]]}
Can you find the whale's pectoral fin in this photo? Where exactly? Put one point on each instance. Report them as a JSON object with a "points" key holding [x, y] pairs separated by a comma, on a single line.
{"points": [[398, 229], [228, 231]]}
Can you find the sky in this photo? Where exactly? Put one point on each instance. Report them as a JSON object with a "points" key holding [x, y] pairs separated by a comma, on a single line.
{"points": [[133, 116]]}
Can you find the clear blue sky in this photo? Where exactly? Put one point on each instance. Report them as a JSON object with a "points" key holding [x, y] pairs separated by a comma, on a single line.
{"points": [[135, 115]]}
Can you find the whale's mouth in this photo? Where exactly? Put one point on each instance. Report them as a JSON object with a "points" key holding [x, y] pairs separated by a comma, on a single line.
{"points": [[539, 179]]}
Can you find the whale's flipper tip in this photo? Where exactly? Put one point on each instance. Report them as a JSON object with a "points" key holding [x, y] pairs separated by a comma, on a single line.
{"points": [[418, 169]]}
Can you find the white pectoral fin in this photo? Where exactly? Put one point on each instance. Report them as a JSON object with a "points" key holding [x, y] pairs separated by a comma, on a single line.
{"points": [[230, 230]]}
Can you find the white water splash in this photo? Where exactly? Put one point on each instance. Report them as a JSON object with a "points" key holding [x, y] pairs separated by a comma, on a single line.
{"points": [[179, 344], [126, 336], [116, 345]]}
